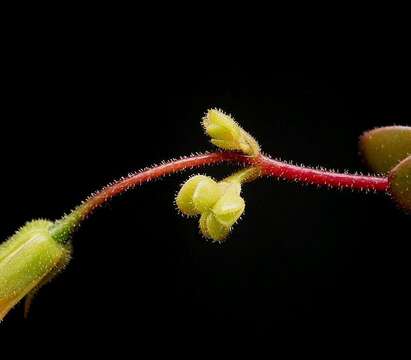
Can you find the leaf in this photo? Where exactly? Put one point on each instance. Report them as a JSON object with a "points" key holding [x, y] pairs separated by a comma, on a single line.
{"points": [[400, 183], [383, 148]]}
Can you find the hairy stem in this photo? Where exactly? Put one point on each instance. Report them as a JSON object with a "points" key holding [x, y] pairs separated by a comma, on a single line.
{"points": [[63, 228], [286, 171]]}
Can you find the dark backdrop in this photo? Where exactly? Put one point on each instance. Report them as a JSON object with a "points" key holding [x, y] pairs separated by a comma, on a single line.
{"points": [[78, 115]]}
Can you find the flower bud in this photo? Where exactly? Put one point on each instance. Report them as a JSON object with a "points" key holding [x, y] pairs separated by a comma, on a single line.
{"points": [[197, 194], [383, 148], [226, 134], [219, 204], [211, 228], [228, 209], [400, 184], [216, 223], [28, 259]]}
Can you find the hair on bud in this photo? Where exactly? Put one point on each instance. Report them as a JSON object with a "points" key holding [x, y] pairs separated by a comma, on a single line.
{"points": [[226, 134], [218, 204], [28, 259]]}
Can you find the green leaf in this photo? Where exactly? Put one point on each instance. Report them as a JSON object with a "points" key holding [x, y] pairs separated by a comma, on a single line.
{"points": [[383, 148], [400, 183]]}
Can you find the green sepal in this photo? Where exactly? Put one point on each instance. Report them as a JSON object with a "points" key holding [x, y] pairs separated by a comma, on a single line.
{"points": [[400, 184], [383, 148], [59, 267], [28, 259], [213, 229]]}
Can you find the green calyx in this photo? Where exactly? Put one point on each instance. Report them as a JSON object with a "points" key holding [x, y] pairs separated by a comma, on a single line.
{"points": [[383, 148], [30, 258], [400, 184], [387, 150]]}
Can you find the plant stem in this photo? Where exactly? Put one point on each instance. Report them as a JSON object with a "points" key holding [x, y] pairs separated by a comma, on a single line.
{"points": [[332, 179], [63, 228]]}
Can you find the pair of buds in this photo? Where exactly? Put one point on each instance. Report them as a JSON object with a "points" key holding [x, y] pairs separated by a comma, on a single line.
{"points": [[219, 204]]}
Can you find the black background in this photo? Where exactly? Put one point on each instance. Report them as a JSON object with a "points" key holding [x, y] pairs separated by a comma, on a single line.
{"points": [[77, 114]]}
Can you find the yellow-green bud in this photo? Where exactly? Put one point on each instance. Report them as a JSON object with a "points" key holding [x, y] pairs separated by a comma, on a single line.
{"points": [[216, 222], [211, 228], [228, 209], [197, 194], [227, 134], [27, 260], [219, 204]]}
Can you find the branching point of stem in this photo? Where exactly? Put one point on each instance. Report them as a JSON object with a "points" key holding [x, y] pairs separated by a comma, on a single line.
{"points": [[63, 229]]}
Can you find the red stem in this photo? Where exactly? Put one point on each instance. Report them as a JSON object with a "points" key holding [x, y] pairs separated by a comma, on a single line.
{"points": [[155, 172], [282, 170], [269, 167]]}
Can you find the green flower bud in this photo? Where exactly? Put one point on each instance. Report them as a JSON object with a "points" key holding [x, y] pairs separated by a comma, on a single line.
{"points": [[197, 195], [203, 225], [216, 222], [383, 148], [226, 134], [206, 194], [219, 204], [400, 184], [28, 259], [228, 209], [211, 228]]}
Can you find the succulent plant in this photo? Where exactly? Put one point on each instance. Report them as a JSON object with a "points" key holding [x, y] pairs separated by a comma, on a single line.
{"points": [[41, 248]]}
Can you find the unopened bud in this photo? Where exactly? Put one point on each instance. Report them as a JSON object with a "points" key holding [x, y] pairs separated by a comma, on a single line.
{"points": [[400, 184], [27, 259], [226, 134], [219, 203], [211, 228], [228, 209], [197, 194]]}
